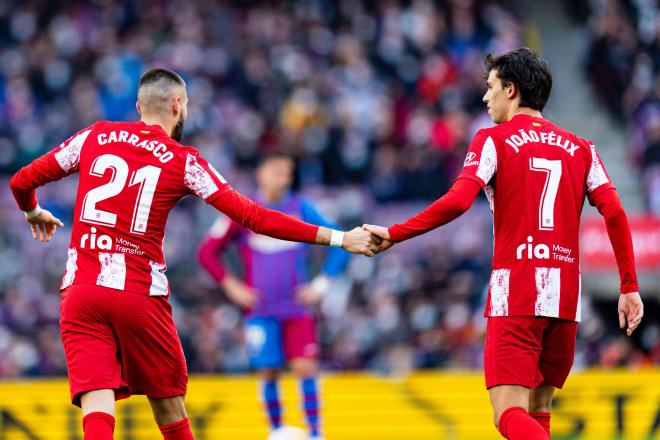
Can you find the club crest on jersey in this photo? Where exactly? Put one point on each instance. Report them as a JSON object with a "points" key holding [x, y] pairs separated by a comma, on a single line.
{"points": [[101, 242], [540, 251], [469, 159]]}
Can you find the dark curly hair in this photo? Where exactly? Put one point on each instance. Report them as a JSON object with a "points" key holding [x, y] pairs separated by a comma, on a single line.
{"points": [[529, 72]]}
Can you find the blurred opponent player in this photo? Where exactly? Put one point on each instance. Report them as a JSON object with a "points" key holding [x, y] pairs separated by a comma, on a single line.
{"points": [[116, 321], [536, 176], [276, 294]]}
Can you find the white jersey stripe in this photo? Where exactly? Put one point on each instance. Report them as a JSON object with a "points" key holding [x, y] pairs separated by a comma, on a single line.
{"points": [[548, 287], [197, 179], [499, 292], [578, 310], [159, 283], [71, 268], [69, 156], [487, 161], [597, 175], [113, 270]]}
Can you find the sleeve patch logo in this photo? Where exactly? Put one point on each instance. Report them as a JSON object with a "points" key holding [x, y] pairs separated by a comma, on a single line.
{"points": [[469, 159]]}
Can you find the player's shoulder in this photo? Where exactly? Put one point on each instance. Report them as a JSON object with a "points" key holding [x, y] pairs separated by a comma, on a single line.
{"points": [[187, 149], [496, 134], [586, 145], [568, 134], [189, 155]]}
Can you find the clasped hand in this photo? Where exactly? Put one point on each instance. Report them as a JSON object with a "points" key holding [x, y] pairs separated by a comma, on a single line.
{"points": [[368, 240]]}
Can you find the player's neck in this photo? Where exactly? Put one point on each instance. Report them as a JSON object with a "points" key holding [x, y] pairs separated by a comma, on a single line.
{"points": [[525, 111], [155, 120]]}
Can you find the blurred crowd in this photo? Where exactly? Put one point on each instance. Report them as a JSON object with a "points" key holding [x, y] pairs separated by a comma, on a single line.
{"points": [[624, 67], [377, 102]]}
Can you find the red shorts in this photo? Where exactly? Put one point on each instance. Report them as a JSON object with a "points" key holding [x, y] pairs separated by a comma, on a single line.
{"points": [[529, 351], [122, 341], [299, 338]]}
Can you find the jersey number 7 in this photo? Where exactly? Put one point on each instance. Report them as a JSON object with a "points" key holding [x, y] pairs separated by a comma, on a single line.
{"points": [[552, 168]]}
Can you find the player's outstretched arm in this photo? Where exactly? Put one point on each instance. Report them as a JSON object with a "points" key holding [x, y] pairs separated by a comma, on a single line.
{"points": [[275, 224], [631, 308], [453, 204]]}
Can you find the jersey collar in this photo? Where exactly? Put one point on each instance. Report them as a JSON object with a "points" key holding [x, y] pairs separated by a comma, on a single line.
{"points": [[154, 127]]}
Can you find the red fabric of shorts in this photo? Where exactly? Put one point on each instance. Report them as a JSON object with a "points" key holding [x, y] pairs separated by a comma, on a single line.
{"points": [[529, 351], [122, 341]]}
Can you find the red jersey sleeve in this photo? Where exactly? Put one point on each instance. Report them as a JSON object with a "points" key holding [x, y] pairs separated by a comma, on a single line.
{"points": [[203, 180], [454, 203], [481, 159], [597, 178], [618, 229], [261, 220], [219, 237], [52, 166]]}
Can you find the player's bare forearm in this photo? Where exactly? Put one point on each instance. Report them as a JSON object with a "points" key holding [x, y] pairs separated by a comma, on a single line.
{"points": [[323, 236]]}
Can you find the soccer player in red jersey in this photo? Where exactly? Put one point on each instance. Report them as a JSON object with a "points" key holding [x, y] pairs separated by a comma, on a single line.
{"points": [[116, 322], [536, 176]]}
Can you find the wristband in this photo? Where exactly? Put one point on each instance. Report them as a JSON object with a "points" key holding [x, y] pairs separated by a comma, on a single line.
{"points": [[33, 212], [337, 239]]}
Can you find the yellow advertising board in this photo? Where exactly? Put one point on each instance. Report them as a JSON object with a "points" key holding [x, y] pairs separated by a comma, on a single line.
{"points": [[427, 405]]}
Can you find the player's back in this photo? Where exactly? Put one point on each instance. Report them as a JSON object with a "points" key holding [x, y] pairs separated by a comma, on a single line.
{"points": [[131, 176], [538, 175]]}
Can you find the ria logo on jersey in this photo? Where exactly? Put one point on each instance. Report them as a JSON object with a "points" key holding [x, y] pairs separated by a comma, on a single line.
{"points": [[101, 242], [542, 251], [105, 242]]}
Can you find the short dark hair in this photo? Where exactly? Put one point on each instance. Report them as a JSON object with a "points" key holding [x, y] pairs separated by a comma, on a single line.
{"points": [[529, 72], [158, 74]]}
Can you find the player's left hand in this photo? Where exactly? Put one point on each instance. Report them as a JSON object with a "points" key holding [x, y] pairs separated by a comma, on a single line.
{"points": [[383, 234], [44, 225], [631, 311]]}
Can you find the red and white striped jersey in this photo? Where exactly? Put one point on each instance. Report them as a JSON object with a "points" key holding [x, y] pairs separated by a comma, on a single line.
{"points": [[536, 176], [131, 176]]}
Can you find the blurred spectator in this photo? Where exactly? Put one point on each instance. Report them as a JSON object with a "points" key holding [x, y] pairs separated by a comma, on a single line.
{"points": [[624, 68]]}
